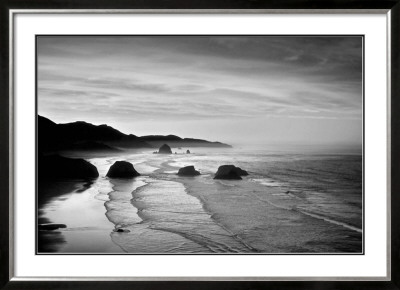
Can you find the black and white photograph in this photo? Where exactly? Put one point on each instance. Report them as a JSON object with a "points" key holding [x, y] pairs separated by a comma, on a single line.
{"points": [[199, 144]]}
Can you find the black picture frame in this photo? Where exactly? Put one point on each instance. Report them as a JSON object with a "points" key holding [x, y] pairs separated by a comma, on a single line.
{"points": [[6, 282]]}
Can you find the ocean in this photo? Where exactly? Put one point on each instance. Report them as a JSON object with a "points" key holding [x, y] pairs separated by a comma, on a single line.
{"points": [[290, 203]]}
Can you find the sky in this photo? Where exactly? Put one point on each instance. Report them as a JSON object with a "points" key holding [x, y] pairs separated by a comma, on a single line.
{"points": [[233, 89]]}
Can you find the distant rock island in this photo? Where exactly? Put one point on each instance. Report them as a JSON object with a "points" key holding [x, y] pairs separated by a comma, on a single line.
{"points": [[175, 141], [165, 149], [82, 136]]}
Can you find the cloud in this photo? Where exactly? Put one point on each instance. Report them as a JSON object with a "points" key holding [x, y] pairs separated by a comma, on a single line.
{"points": [[199, 78]]}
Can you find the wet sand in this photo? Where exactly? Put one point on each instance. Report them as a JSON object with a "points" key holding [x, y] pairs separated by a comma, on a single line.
{"points": [[77, 205]]}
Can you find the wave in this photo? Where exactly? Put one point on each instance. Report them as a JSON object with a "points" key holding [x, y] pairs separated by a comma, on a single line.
{"points": [[119, 208], [311, 214], [164, 213], [329, 220]]}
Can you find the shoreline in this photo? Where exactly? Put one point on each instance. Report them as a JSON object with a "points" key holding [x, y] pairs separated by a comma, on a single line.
{"points": [[85, 224], [197, 215], [266, 195]]}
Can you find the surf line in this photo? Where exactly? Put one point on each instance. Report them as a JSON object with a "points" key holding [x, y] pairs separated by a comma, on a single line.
{"points": [[350, 227], [347, 226], [131, 200], [231, 234]]}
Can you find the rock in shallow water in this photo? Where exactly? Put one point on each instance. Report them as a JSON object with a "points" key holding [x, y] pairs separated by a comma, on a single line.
{"points": [[119, 230], [122, 169], [230, 172], [188, 171]]}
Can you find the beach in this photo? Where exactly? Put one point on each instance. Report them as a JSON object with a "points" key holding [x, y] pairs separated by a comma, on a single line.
{"points": [[289, 203]]}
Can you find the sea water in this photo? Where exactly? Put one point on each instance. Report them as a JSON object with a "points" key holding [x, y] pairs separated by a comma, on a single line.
{"points": [[290, 202]]}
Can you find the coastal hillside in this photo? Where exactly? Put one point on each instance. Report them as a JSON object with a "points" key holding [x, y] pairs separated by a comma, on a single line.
{"points": [[81, 135], [175, 141]]}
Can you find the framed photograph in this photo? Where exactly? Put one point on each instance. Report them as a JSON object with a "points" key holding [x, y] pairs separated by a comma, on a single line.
{"points": [[226, 145]]}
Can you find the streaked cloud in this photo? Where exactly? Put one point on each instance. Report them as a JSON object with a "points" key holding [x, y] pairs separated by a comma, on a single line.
{"points": [[127, 81]]}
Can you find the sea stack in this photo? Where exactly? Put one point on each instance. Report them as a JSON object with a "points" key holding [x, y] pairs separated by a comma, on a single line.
{"points": [[165, 149], [230, 172], [188, 171], [122, 169]]}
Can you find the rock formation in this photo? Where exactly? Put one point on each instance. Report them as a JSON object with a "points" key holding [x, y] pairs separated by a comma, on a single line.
{"points": [[230, 172], [241, 172], [122, 169], [119, 230], [188, 171], [59, 167], [165, 149]]}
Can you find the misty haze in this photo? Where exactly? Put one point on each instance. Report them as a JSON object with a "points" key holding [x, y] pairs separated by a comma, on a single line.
{"points": [[200, 144]]}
